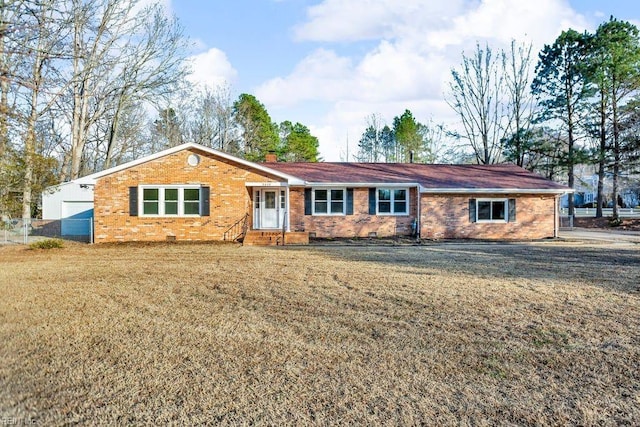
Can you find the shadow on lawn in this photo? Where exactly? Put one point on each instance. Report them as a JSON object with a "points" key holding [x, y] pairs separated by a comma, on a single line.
{"points": [[610, 268]]}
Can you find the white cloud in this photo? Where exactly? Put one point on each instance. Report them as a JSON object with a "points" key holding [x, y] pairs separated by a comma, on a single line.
{"points": [[165, 4], [387, 73], [211, 68], [417, 44], [354, 20], [539, 21], [322, 75], [346, 120]]}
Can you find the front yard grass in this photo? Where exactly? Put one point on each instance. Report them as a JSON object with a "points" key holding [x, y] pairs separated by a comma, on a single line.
{"points": [[540, 333]]}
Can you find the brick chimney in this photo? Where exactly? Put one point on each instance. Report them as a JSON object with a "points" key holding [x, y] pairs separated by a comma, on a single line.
{"points": [[270, 157]]}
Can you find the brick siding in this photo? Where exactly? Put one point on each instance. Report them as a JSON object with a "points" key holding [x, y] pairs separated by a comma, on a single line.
{"points": [[360, 224], [442, 216], [230, 199], [447, 217]]}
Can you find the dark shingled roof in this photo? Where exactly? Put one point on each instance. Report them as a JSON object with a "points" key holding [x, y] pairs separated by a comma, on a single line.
{"points": [[470, 177]]}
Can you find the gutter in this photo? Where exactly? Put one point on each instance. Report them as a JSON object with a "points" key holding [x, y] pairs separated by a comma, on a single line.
{"points": [[311, 184], [424, 190], [496, 191]]}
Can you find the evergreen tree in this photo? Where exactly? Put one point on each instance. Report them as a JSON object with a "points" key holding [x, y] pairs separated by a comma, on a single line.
{"points": [[618, 46], [259, 133], [297, 144], [562, 91], [387, 143], [408, 135], [367, 147], [600, 105]]}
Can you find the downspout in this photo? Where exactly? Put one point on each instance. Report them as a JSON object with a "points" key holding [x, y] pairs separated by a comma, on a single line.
{"points": [[556, 219], [287, 208], [418, 203]]}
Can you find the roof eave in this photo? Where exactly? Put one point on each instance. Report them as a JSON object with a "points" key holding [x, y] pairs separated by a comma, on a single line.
{"points": [[192, 145], [361, 184], [497, 190], [425, 190]]}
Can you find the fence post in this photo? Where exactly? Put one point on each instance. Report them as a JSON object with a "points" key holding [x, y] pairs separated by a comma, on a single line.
{"points": [[90, 230]]}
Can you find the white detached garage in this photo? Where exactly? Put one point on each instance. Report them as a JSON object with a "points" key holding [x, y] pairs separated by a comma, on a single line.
{"points": [[71, 203]]}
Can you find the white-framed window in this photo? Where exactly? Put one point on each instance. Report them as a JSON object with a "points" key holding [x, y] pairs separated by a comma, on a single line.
{"points": [[170, 200], [492, 210], [392, 201], [328, 201]]}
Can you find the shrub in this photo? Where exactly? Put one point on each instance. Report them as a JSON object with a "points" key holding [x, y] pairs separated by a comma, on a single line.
{"points": [[615, 222], [47, 244]]}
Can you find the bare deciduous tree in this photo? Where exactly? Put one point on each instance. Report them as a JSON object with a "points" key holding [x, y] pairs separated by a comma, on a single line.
{"points": [[212, 122], [520, 102], [475, 94], [370, 146], [123, 54], [36, 46]]}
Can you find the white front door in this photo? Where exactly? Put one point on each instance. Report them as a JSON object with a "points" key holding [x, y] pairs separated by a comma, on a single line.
{"points": [[269, 209]]}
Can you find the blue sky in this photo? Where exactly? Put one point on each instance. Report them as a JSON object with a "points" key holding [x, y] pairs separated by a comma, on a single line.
{"points": [[331, 63]]}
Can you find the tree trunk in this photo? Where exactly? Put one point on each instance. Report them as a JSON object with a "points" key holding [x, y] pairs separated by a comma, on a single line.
{"points": [[113, 130], [30, 137], [616, 154], [601, 155], [570, 165], [570, 148], [4, 85]]}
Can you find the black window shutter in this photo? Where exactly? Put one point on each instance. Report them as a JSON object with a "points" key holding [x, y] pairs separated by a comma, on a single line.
{"points": [[307, 201], [349, 201], [472, 210], [133, 201], [205, 206], [512, 210], [372, 201]]}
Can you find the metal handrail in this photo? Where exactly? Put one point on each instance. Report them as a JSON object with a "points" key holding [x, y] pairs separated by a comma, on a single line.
{"points": [[238, 230]]}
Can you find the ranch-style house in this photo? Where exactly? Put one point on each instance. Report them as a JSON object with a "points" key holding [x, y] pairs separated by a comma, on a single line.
{"points": [[192, 192]]}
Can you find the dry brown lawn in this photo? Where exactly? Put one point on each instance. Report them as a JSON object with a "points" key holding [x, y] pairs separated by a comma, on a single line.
{"points": [[464, 334]]}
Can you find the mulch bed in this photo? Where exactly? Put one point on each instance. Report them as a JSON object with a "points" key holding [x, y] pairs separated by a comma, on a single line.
{"points": [[628, 224]]}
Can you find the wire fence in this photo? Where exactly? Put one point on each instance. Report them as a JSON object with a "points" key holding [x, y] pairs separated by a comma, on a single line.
{"points": [[566, 221], [28, 230]]}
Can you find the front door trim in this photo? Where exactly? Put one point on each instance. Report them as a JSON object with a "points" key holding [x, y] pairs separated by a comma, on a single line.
{"points": [[264, 216]]}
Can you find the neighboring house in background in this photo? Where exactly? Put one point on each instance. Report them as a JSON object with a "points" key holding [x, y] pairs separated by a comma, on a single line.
{"points": [[586, 189], [191, 192]]}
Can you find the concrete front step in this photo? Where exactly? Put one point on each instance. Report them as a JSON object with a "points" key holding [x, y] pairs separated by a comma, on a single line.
{"points": [[273, 238]]}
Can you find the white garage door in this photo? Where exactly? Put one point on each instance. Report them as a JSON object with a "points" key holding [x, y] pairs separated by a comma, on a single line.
{"points": [[76, 218]]}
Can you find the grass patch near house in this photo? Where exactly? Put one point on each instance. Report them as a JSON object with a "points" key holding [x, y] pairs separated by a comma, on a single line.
{"points": [[454, 333]]}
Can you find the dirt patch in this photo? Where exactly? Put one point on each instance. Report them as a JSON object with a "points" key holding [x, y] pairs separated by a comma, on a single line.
{"points": [[478, 334], [628, 224]]}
